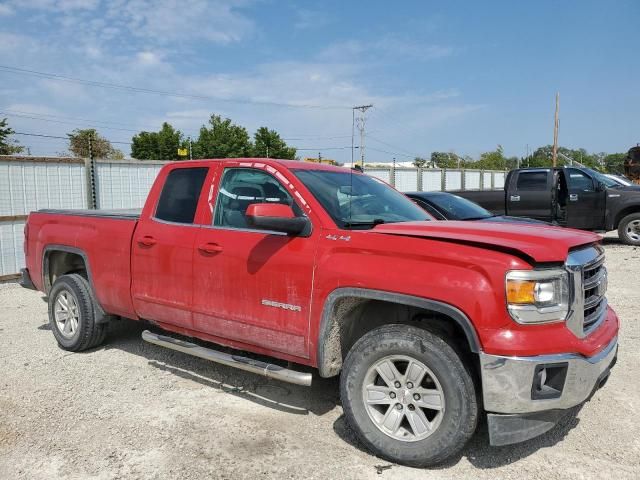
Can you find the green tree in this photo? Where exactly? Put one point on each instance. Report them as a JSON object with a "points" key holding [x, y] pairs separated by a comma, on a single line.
{"points": [[222, 139], [267, 143], [543, 157], [100, 146], [495, 160], [447, 160], [419, 162], [7, 145], [161, 145], [614, 163]]}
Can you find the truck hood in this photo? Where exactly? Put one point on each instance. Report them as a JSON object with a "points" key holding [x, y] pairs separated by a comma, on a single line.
{"points": [[539, 242]]}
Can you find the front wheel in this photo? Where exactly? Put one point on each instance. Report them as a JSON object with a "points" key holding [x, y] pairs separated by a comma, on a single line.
{"points": [[629, 229], [408, 396]]}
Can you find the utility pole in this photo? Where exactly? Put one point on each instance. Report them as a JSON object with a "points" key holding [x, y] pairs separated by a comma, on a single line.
{"points": [[190, 155], [360, 124], [91, 174], [555, 131]]}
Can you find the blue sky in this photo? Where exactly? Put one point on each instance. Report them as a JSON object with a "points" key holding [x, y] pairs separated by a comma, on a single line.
{"points": [[447, 76]]}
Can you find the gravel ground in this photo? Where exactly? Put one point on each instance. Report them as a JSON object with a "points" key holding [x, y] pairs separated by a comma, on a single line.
{"points": [[135, 410]]}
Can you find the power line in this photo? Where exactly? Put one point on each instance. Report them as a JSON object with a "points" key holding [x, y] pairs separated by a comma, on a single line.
{"points": [[42, 135], [20, 113], [393, 146], [134, 89], [390, 153], [55, 119], [315, 149], [62, 122]]}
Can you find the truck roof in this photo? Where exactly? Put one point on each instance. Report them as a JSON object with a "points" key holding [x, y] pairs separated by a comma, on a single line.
{"points": [[289, 164]]}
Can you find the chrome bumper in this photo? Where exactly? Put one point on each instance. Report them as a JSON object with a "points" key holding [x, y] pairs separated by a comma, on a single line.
{"points": [[508, 382]]}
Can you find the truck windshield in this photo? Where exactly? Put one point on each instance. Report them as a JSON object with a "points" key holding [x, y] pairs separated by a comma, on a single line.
{"points": [[357, 201], [609, 182], [458, 208]]}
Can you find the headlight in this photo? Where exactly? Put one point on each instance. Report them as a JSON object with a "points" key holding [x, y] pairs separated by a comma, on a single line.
{"points": [[537, 296]]}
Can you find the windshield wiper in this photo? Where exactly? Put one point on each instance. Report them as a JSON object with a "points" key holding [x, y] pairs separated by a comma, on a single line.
{"points": [[371, 223]]}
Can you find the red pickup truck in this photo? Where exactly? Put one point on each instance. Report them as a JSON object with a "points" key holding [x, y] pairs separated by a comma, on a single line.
{"points": [[430, 324]]}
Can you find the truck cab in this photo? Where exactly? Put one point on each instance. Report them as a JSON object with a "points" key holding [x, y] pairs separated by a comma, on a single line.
{"points": [[570, 197], [574, 197]]}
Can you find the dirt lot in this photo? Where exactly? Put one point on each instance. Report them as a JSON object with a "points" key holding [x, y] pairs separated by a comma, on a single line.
{"points": [[134, 410]]}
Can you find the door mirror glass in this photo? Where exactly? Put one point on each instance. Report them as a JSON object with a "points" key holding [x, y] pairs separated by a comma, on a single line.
{"points": [[276, 217]]}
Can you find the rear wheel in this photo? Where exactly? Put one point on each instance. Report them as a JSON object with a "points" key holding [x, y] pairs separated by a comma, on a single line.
{"points": [[629, 229], [408, 395], [72, 314]]}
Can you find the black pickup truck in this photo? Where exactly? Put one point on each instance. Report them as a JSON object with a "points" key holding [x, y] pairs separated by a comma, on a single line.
{"points": [[568, 196]]}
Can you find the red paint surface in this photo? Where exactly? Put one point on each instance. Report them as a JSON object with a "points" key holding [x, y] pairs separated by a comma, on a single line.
{"points": [[211, 282]]}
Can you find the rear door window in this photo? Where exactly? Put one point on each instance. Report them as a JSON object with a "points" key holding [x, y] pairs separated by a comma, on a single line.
{"points": [[533, 181], [179, 197]]}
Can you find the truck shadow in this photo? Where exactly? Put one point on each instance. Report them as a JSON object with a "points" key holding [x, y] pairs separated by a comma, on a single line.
{"points": [[319, 399], [478, 451]]}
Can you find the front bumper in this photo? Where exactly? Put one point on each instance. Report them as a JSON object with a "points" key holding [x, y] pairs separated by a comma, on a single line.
{"points": [[522, 406]]}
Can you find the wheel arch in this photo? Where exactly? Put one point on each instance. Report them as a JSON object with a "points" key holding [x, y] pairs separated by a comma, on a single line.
{"points": [[58, 260], [628, 210], [340, 324]]}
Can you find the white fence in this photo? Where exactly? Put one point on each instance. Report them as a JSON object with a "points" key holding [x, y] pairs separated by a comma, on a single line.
{"points": [[32, 183], [439, 180]]}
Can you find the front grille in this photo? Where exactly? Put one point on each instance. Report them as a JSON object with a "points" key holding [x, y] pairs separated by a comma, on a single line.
{"points": [[594, 282]]}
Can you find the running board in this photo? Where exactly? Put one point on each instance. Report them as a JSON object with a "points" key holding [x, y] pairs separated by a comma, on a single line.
{"points": [[242, 363]]}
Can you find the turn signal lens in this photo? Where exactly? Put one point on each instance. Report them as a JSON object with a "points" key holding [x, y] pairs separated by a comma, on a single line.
{"points": [[521, 292]]}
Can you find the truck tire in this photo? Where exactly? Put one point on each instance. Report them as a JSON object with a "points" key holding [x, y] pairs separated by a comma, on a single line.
{"points": [[71, 314], [629, 229], [408, 396]]}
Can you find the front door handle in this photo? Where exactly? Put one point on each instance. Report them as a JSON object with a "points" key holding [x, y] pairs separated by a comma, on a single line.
{"points": [[573, 197], [210, 248], [515, 198], [147, 241]]}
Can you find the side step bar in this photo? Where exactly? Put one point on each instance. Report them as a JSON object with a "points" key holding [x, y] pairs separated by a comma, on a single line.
{"points": [[242, 363]]}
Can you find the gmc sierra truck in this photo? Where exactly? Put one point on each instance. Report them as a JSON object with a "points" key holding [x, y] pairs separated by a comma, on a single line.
{"points": [[569, 197], [429, 324]]}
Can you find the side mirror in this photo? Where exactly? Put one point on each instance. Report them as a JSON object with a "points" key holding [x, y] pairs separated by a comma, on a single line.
{"points": [[600, 186], [276, 217]]}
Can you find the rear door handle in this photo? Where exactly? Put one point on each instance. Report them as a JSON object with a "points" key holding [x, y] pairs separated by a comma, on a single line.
{"points": [[515, 198], [147, 241], [573, 197], [210, 248]]}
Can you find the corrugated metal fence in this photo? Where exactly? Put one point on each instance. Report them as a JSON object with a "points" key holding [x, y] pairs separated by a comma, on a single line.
{"points": [[435, 179], [32, 183]]}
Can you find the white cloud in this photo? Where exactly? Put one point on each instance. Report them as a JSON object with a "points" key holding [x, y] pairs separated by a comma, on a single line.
{"points": [[148, 58], [166, 21], [12, 43], [26, 108], [310, 19], [5, 10], [386, 49], [57, 5]]}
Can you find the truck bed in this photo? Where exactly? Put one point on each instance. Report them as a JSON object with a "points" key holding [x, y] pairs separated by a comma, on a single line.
{"points": [[102, 237], [125, 213]]}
